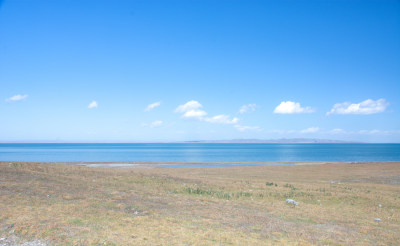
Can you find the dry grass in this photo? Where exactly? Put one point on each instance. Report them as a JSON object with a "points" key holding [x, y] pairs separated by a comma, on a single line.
{"points": [[69, 205]]}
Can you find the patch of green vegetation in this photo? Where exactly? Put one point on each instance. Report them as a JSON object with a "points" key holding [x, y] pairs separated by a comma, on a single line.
{"points": [[221, 194], [243, 194], [76, 221], [290, 186], [133, 207], [105, 204], [209, 192]]}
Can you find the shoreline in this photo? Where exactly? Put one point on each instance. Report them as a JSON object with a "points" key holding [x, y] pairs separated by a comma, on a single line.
{"points": [[128, 165]]}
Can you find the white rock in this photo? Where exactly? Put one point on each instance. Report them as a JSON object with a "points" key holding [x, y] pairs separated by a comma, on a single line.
{"points": [[291, 201], [377, 219]]}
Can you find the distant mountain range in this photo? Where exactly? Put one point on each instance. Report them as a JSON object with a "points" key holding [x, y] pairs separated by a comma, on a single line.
{"points": [[281, 140]]}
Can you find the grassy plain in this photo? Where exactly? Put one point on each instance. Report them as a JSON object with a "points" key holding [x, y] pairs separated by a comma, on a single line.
{"points": [[73, 205]]}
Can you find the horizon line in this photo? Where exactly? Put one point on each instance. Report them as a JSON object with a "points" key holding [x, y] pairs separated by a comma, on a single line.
{"points": [[231, 141]]}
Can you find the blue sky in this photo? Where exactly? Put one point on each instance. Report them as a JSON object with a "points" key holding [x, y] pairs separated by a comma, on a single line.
{"points": [[128, 71]]}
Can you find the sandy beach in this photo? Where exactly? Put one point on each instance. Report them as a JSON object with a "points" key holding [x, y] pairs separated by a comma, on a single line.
{"points": [[82, 204]]}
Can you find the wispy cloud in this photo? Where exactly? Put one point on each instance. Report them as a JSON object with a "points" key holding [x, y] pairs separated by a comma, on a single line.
{"points": [[248, 108], [366, 107], [16, 98], [247, 128], [313, 129], [222, 119], [337, 131], [93, 104], [154, 124], [290, 107], [192, 110], [152, 106], [282, 131], [310, 130], [364, 132]]}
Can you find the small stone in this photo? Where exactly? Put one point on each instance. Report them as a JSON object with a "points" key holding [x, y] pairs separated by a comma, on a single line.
{"points": [[380, 205], [377, 220]]}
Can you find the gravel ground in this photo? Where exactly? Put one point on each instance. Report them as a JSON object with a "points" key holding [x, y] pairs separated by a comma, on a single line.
{"points": [[15, 241]]}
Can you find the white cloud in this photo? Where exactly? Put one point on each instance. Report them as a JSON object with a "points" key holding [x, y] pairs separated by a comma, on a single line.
{"points": [[366, 107], [16, 98], [152, 106], [222, 119], [191, 105], [192, 110], [93, 104], [310, 130], [196, 114], [248, 108], [247, 128], [290, 107]]}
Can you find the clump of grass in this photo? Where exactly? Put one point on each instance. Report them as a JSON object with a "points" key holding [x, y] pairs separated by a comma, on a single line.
{"points": [[271, 184], [220, 194], [290, 186], [208, 192], [77, 222]]}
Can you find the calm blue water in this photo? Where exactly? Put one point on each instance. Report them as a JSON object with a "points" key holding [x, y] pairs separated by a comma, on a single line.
{"points": [[198, 152]]}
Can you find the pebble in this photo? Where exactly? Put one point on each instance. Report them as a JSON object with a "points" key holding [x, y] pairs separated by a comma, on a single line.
{"points": [[377, 219]]}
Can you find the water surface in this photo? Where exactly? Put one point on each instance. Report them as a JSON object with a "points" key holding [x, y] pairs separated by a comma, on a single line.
{"points": [[199, 152]]}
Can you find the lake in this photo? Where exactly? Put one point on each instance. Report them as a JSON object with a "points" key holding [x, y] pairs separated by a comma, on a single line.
{"points": [[198, 152]]}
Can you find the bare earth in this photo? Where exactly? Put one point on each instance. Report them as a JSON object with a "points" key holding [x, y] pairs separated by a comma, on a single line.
{"points": [[64, 204]]}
